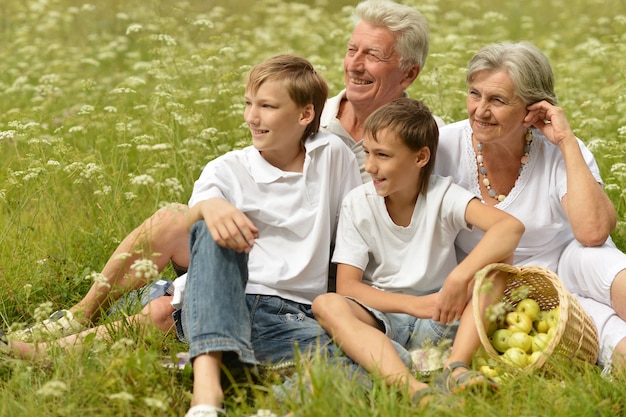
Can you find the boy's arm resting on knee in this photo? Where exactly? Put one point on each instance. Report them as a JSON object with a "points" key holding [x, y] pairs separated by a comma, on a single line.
{"points": [[349, 284], [229, 226], [502, 235]]}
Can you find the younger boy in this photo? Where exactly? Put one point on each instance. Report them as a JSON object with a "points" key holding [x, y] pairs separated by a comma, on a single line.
{"points": [[255, 271], [397, 274]]}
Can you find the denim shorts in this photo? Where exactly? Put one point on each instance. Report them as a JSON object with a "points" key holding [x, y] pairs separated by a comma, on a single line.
{"points": [[411, 332], [280, 328]]}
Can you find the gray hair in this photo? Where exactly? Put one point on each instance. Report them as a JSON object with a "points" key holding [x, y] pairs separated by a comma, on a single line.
{"points": [[528, 67], [407, 24]]}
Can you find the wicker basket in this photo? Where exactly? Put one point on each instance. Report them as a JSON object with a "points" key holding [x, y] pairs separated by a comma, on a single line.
{"points": [[575, 335]]}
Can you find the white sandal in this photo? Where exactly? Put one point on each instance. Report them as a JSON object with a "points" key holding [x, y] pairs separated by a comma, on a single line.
{"points": [[205, 410]]}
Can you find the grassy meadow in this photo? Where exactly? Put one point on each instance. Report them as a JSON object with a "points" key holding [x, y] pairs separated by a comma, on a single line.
{"points": [[110, 109]]}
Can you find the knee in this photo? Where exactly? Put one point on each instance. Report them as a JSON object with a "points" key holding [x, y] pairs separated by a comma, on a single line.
{"points": [[160, 312], [325, 306], [170, 219]]}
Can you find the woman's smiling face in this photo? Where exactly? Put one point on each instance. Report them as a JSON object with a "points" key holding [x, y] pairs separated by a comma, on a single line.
{"points": [[495, 111]]}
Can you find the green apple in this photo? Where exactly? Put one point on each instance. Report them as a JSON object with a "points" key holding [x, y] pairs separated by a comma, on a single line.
{"points": [[534, 357], [519, 322], [541, 323], [489, 371], [521, 340], [551, 332], [540, 342], [515, 357], [529, 307], [480, 356], [500, 339], [553, 316]]}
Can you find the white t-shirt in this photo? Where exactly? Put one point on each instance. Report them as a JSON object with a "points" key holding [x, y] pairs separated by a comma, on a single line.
{"points": [[296, 213], [413, 260], [535, 199], [330, 123]]}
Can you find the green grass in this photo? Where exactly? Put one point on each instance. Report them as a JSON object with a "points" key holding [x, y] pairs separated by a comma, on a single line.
{"points": [[110, 109]]}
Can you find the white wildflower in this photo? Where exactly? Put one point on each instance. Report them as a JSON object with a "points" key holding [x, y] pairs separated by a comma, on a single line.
{"points": [[130, 196], [7, 135], [263, 413], [618, 167], [110, 109], [155, 403], [203, 23], [91, 170], [86, 109], [99, 279], [134, 28], [123, 256], [122, 396], [145, 268], [611, 188], [53, 163], [106, 190], [166, 39], [122, 90], [122, 345], [76, 129], [173, 186], [54, 388], [143, 179]]}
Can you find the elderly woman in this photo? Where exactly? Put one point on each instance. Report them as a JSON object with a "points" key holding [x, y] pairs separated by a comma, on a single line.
{"points": [[518, 153]]}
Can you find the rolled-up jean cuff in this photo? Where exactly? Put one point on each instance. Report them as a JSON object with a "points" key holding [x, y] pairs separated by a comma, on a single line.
{"points": [[222, 344], [218, 344]]}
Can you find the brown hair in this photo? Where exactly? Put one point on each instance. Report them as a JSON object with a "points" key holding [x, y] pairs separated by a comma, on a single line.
{"points": [[413, 123], [303, 83]]}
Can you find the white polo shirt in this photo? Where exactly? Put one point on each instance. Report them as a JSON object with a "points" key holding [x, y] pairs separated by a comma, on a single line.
{"points": [[296, 213]]}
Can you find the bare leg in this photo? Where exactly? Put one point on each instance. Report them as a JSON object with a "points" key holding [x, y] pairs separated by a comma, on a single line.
{"points": [[157, 313], [207, 387], [355, 331], [618, 294], [161, 238]]}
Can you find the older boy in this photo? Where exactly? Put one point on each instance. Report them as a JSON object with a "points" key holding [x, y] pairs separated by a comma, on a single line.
{"points": [[255, 271]]}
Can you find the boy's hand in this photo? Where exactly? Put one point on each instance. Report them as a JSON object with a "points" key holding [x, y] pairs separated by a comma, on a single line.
{"points": [[454, 298], [229, 226]]}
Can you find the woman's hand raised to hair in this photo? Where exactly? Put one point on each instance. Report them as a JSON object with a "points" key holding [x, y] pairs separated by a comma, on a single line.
{"points": [[551, 121]]}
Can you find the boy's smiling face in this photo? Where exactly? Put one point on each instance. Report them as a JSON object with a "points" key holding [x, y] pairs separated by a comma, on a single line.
{"points": [[276, 122], [395, 169]]}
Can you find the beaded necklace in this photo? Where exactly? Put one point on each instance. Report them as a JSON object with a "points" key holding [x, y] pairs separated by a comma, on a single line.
{"points": [[483, 171]]}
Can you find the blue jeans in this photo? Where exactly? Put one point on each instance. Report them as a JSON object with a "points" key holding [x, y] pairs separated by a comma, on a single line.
{"points": [[218, 316]]}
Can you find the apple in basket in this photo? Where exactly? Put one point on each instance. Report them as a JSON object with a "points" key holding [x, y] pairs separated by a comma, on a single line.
{"points": [[529, 307], [540, 342], [553, 316], [516, 357], [519, 322], [541, 323], [500, 340], [521, 340]]}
